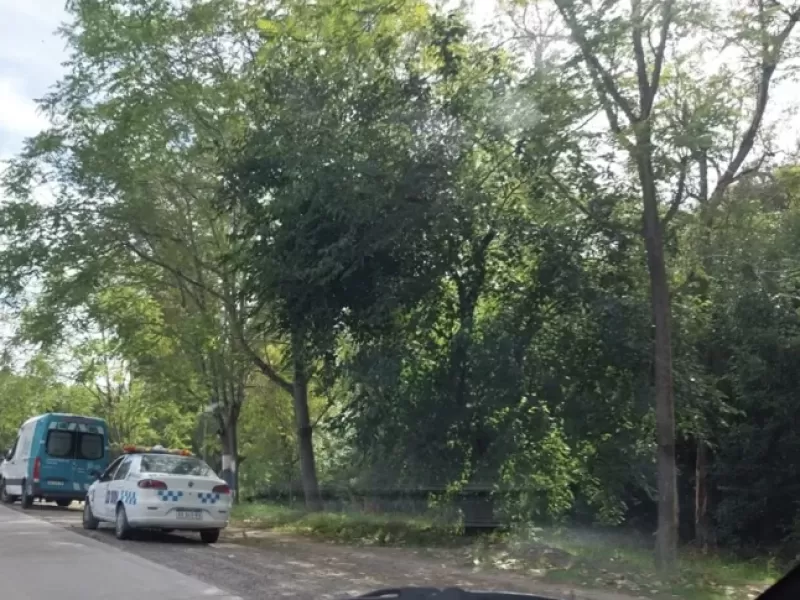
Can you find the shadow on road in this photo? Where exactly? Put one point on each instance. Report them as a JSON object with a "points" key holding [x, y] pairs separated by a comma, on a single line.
{"points": [[144, 535], [70, 516], [53, 508]]}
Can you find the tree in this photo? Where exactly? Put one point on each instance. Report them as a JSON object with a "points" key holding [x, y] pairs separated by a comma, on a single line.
{"points": [[670, 120], [131, 161], [339, 147]]}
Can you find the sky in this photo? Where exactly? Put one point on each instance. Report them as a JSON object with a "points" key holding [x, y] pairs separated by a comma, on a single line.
{"points": [[31, 58], [30, 62]]}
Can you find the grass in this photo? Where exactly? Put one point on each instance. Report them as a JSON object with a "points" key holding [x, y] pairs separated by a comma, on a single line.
{"points": [[351, 528], [584, 558], [618, 562]]}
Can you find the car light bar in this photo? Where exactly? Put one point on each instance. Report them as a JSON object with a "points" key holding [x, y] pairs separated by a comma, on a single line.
{"points": [[134, 449]]}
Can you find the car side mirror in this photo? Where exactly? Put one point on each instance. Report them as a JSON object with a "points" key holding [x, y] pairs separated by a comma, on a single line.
{"points": [[8, 454], [95, 473]]}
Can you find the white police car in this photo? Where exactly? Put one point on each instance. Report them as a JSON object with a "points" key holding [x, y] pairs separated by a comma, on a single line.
{"points": [[155, 488]]}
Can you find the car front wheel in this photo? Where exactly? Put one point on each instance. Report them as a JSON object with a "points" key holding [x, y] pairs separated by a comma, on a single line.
{"points": [[122, 528], [209, 536], [89, 520]]}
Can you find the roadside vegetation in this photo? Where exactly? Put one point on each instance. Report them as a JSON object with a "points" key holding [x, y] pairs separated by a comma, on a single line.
{"points": [[585, 558]]}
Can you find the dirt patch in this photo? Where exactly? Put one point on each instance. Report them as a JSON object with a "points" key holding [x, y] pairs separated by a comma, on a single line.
{"points": [[391, 567]]}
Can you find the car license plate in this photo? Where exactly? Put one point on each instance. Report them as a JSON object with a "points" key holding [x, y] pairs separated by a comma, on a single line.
{"points": [[189, 515]]}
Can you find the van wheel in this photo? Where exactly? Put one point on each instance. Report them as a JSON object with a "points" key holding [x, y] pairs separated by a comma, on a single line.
{"points": [[5, 497], [209, 536], [63, 502], [27, 495], [89, 520], [122, 528]]}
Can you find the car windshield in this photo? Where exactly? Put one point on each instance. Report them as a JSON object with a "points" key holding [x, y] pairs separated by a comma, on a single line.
{"points": [[166, 464]]}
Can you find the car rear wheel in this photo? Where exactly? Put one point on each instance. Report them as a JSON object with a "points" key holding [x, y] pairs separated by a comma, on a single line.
{"points": [[122, 528], [209, 536], [89, 520], [27, 495], [5, 497]]}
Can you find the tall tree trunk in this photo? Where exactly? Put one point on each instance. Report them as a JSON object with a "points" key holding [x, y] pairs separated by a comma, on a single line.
{"points": [[702, 529], [230, 454], [305, 446], [667, 533]]}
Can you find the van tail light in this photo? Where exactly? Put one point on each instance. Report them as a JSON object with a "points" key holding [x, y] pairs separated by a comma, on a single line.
{"points": [[37, 469], [221, 489], [152, 484]]}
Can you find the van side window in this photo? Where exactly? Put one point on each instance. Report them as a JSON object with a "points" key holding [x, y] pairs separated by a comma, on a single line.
{"points": [[124, 469], [23, 448], [13, 448], [59, 443]]}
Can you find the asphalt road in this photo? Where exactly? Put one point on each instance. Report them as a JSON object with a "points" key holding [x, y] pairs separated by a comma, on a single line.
{"points": [[242, 571], [41, 561], [45, 552]]}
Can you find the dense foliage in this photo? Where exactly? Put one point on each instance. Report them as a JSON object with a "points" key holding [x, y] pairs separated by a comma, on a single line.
{"points": [[361, 245]]}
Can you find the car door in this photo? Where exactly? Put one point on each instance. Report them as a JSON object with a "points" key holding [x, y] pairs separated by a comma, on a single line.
{"points": [[100, 494], [12, 470], [117, 485], [21, 459]]}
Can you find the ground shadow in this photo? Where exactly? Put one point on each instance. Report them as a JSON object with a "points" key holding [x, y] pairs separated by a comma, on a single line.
{"points": [[47, 507], [187, 538]]}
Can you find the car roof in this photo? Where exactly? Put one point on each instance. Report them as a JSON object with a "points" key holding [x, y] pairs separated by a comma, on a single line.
{"points": [[59, 415], [162, 454]]}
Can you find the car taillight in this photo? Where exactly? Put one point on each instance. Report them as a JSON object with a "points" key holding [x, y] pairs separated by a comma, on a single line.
{"points": [[37, 469], [221, 489], [152, 484]]}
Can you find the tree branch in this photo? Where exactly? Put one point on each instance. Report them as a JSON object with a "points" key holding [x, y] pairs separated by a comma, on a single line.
{"points": [[655, 80], [771, 54], [600, 75], [638, 53], [580, 207], [259, 362], [175, 271], [679, 195]]}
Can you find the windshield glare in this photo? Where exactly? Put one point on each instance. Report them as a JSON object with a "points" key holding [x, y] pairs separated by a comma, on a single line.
{"points": [[509, 286], [175, 465]]}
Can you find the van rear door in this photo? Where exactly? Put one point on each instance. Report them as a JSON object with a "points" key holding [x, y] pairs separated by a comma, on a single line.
{"points": [[89, 456], [72, 449], [55, 459]]}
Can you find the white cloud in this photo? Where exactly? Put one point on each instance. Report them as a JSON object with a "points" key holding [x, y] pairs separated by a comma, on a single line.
{"points": [[19, 115], [30, 62]]}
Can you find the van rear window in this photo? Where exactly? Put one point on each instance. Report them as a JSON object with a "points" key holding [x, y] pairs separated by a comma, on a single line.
{"points": [[59, 444], [62, 444], [90, 446]]}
